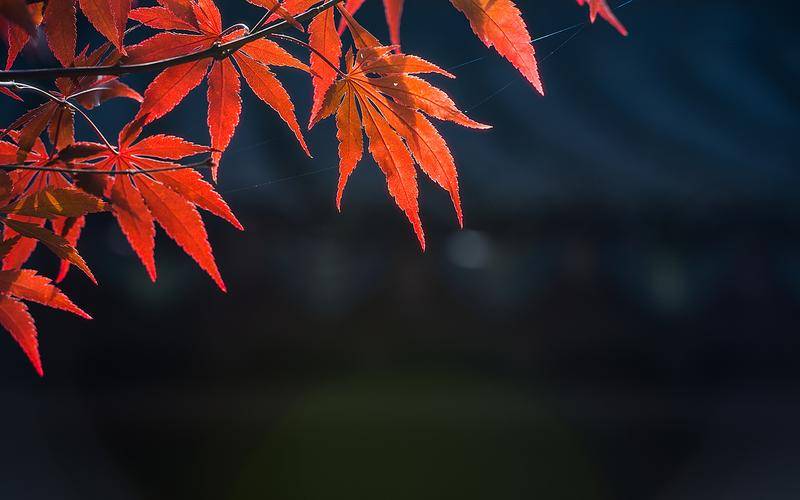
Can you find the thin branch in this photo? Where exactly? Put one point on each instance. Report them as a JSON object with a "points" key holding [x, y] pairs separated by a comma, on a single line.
{"points": [[207, 163], [87, 91], [63, 101], [310, 48], [217, 51]]}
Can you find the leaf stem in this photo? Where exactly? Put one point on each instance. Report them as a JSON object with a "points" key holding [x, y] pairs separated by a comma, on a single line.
{"points": [[309, 47], [64, 102]]}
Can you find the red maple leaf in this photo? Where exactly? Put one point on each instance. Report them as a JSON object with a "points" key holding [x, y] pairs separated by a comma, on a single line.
{"points": [[163, 192], [379, 93], [322, 36], [16, 284], [201, 27], [25, 284]]}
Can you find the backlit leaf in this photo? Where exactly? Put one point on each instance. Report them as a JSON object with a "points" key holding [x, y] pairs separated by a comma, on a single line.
{"points": [[60, 202], [55, 243]]}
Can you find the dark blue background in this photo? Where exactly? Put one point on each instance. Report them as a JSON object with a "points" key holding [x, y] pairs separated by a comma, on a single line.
{"points": [[618, 320]]}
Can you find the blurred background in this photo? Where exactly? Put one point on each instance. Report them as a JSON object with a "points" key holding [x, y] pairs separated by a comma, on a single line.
{"points": [[618, 320]]}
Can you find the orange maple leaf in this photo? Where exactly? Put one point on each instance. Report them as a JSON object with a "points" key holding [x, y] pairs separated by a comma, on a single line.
{"points": [[379, 93], [163, 193]]}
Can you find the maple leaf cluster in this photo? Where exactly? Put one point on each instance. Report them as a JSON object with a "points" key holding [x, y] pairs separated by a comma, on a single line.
{"points": [[50, 181]]}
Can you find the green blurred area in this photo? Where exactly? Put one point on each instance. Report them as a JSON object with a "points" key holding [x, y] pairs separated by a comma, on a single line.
{"points": [[421, 436]]}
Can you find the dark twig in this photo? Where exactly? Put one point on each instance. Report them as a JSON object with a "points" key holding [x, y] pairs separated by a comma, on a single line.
{"points": [[215, 51], [64, 102], [207, 163]]}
